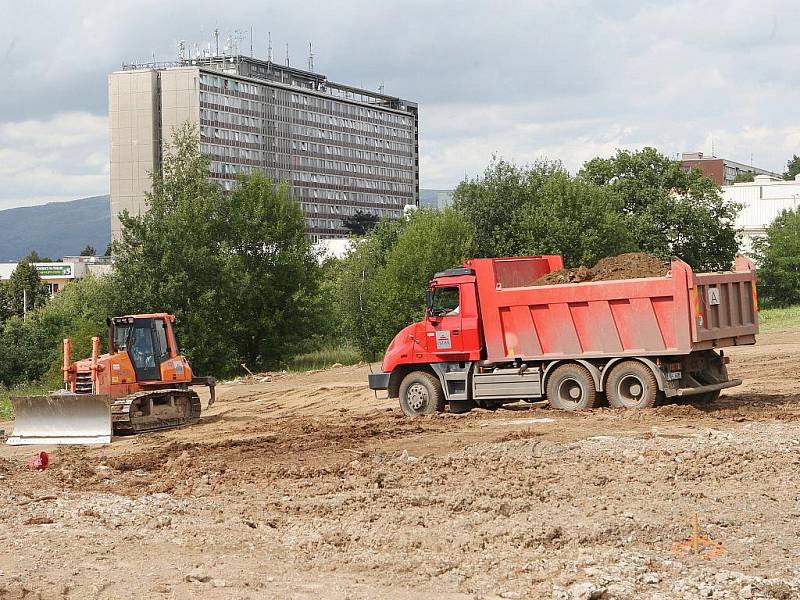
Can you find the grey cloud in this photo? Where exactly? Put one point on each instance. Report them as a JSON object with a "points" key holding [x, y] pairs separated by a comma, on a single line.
{"points": [[521, 78]]}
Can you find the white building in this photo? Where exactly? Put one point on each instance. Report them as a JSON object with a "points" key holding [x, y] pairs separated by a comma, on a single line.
{"points": [[762, 199], [58, 274]]}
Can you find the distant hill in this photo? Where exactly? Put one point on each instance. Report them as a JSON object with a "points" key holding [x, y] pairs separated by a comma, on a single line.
{"points": [[56, 229]]}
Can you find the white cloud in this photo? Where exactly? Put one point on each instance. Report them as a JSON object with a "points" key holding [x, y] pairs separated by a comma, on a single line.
{"points": [[56, 159]]}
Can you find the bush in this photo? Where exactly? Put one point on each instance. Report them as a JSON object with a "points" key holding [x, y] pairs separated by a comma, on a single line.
{"points": [[32, 349], [381, 282], [779, 261]]}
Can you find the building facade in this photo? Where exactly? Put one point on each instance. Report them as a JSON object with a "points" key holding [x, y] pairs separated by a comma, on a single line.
{"points": [[340, 148], [721, 170], [58, 274], [762, 200]]}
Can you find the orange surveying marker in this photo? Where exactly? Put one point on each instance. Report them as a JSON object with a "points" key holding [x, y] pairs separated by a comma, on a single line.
{"points": [[698, 545]]}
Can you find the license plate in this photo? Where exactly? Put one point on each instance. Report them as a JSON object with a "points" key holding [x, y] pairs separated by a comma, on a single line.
{"points": [[673, 375]]}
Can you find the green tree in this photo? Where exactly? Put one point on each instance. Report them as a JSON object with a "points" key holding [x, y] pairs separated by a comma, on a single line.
{"points": [[25, 290], [382, 280], [779, 260], [88, 251], [744, 177], [35, 257], [32, 348], [273, 268], [356, 290], [492, 203], [360, 222], [670, 211], [792, 168], [236, 270], [576, 219], [541, 209], [5, 303], [169, 258]]}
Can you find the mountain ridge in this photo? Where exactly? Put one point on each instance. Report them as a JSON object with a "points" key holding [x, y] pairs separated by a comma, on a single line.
{"points": [[55, 229]]}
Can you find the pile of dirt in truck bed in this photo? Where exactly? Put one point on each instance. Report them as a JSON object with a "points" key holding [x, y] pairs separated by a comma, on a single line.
{"points": [[632, 265]]}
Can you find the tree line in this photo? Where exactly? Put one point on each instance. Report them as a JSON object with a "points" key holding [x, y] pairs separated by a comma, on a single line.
{"points": [[248, 287]]}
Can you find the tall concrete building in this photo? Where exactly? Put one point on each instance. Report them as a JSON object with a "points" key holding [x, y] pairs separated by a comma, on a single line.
{"points": [[342, 149]]}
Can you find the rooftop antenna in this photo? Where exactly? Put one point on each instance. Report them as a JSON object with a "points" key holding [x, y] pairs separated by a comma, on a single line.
{"points": [[287, 54], [712, 144], [182, 50], [251, 40], [216, 38], [236, 39], [310, 57], [269, 46], [380, 88]]}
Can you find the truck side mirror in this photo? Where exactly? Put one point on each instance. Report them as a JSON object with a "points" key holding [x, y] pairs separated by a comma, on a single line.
{"points": [[429, 302]]}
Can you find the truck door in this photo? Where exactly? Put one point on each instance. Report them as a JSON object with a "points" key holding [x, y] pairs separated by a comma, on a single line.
{"points": [[443, 325]]}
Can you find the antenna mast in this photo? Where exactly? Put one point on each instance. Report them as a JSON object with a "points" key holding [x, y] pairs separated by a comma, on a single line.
{"points": [[269, 46], [251, 40], [287, 54], [216, 38], [310, 57]]}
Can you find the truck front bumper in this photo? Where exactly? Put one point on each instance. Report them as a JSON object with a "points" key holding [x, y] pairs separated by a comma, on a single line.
{"points": [[379, 381]]}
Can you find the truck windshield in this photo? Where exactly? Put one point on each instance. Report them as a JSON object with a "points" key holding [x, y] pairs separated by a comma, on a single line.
{"points": [[445, 302]]}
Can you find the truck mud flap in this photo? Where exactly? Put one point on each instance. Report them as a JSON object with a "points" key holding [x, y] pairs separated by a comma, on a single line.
{"points": [[61, 419], [693, 391]]}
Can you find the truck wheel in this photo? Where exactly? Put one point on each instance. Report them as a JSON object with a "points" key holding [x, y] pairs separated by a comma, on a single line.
{"points": [[571, 387], [632, 384], [420, 394]]}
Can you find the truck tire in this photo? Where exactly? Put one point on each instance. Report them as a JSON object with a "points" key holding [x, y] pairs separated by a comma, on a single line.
{"points": [[632, 384], [571, 387], [420, 394]]}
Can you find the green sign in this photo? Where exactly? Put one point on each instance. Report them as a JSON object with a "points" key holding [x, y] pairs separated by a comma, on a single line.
{"points": [[54, 270]]}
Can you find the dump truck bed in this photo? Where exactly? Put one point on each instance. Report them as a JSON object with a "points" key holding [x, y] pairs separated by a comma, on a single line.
{"points": [[677, 314]]}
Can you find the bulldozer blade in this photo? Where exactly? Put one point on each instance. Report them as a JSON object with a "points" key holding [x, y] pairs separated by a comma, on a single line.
{"points": [[61, 419]]}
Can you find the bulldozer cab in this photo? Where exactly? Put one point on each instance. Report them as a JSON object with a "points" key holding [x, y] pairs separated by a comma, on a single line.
{"points": [[146, 341]]}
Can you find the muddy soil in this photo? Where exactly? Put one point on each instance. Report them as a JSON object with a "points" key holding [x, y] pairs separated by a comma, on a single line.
{"points": [[633, 265], [306, 486]]}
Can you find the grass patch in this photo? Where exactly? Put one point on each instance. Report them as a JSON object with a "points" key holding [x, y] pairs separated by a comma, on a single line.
{"points": [[779, 319], [30, 389], [343, 354]]}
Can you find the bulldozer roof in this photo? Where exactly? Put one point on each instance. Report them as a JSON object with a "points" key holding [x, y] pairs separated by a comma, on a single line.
{"points": [[169, 316]]}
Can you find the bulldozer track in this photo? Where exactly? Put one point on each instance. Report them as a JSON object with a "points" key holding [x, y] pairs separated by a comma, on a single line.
{"points": [[126, 422]]}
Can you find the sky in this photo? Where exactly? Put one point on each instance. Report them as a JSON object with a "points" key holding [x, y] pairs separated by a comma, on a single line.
{"points": [[563, 80]]}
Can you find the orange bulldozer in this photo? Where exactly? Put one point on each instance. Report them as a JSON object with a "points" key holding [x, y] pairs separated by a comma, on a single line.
{"points": [[142, 384]]}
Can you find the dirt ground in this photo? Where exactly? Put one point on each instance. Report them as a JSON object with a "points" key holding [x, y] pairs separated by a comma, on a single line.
{"points": [[632, 265], [306, 486]]}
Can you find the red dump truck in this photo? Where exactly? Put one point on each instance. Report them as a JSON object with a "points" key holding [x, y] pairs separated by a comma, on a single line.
{"points": [[489, 337]]}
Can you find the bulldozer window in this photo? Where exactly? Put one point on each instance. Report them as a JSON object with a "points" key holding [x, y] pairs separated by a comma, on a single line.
{"points": [[121, 333], [141, 345], [161, 335]]}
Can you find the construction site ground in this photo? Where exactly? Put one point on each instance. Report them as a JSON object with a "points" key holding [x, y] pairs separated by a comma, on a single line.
{"points": [[306, 486]]}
